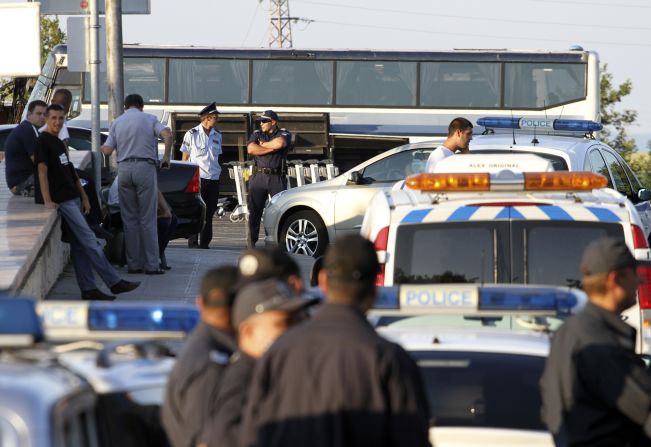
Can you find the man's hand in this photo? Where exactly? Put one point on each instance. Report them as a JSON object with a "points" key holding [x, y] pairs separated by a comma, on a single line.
{"points": [[51, 205], [85, 205], [165, 163]]}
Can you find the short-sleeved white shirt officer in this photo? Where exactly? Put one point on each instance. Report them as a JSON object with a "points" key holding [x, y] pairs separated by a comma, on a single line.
{"points": [[204, 150]]}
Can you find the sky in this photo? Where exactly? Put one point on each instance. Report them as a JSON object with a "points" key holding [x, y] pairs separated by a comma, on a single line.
{"points": [[619, 31]]}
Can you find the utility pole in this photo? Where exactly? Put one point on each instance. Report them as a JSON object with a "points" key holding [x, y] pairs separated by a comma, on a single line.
{"points": [[94, 92], [280, 28], [114, 62]]}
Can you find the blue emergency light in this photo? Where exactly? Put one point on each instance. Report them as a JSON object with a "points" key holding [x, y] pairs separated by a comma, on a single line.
{"points": [[18, 318], [541, 124], [527, 299], [142, 317]]}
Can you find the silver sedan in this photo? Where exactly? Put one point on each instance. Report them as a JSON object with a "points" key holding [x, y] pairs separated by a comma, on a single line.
{"points": [[303, 220]]}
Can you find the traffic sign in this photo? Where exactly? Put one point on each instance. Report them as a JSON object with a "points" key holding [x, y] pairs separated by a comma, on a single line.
{"points": [[81, 7]]}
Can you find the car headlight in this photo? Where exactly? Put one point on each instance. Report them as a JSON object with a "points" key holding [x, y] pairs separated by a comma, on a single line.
{"points": [[275, 198]]}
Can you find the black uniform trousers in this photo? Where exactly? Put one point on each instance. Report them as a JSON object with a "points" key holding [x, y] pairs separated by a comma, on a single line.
{"points": [[260, 187], [210, 196]]}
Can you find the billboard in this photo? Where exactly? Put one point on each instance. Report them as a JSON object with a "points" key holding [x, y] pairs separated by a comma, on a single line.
{"points": [[20, 39]]}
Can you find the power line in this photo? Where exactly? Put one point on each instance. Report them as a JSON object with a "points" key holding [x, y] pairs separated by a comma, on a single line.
{"points": [[616, 5], [465, 17], [537, 39], [246, 36]]}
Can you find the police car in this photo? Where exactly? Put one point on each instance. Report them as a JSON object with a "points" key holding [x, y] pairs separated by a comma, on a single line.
{"points": [[501, 219], [481, 351]]}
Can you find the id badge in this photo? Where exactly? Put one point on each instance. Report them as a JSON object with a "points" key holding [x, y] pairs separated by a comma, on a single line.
{"points": [[63, 158]]}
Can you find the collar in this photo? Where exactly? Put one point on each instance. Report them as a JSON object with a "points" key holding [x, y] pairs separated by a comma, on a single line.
{"points": [[243, 358], [132, 109], [218, 336], [611, 320], [342, 312], [446, 148]]}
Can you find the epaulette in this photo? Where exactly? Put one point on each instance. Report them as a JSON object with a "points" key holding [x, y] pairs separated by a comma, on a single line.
{"points": [[193, 130]]}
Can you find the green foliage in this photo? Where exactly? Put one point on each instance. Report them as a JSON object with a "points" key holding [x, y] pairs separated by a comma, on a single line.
{"points": [[51, 35], [617, 122]]}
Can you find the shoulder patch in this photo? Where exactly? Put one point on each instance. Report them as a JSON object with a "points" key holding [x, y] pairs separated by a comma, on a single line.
{"points": [[193, 130], [218, 357]]}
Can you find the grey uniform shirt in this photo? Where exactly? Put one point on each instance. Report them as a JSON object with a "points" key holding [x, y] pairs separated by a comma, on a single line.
{"points": [[596, 391], [135, 134], [193, 384]]}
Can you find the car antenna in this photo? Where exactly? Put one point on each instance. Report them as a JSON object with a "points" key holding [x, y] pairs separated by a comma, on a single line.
{"points": [[535, 140], [513, 129], [561, 114]]}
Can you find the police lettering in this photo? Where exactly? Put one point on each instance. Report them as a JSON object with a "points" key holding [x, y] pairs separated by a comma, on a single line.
{"points": [[434, 298]]}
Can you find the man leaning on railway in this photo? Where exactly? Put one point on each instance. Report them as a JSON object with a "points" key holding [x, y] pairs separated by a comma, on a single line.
{"points": [[596, 390], [333, 381], [134, 135]]}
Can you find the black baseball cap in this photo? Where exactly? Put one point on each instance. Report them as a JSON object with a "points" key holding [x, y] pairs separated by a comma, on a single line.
{"points": [[606, 255], [210, 109], [268, 115], [263, 296], [257, 264]]}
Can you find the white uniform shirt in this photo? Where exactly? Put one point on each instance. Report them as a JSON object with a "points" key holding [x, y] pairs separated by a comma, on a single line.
{"points": [[437, 155], [204, 150]]}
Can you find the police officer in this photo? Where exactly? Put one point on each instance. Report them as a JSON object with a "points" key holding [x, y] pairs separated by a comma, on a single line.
{"points": [[263, 311], [193, 383], [269, 147], [203, 145], [332, 380], [595, 389]]}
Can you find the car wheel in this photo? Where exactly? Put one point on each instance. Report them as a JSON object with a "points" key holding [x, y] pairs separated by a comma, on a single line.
{"points": [[305, 234]]}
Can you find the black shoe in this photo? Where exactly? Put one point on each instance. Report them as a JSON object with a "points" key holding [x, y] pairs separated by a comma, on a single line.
{"points": [[204, 247], [155, 272], [165, 267], [135, 271], [96, 295], [124, 286]]}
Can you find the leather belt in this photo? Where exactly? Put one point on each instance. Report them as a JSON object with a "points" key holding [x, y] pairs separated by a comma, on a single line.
{"points": [[138, 159], [272, 171]]}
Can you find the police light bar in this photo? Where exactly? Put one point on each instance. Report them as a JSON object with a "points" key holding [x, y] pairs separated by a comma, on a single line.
{"points": [[497, 122], [473, 300], [19, 323], [73, 320], [506, 181]]}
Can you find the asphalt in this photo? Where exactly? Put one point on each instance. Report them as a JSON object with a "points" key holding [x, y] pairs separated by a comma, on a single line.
{"points": [[181, 283]]}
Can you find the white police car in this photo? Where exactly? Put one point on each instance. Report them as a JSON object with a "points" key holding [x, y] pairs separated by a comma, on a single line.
{"points": [[481, 219], [481, 352]]}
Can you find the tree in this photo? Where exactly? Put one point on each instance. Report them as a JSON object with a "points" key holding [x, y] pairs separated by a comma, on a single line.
{"points": [[611, 96]]}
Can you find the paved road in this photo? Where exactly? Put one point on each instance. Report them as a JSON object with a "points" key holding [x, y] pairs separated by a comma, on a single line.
{"points": [[188, 265]]}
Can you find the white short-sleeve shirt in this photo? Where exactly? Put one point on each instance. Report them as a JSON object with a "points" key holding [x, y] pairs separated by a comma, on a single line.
{"points": [[437, 155], [204, 150]]}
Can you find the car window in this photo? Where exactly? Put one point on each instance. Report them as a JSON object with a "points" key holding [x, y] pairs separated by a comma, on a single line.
{"points": [[397, 167], [80, 139], [635, 182], [482, 389], [621, 181], [599, 166]]}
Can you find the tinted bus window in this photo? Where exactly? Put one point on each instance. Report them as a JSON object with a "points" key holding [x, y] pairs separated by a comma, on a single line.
{"points": [[143, 76], [292, 82], [458, 252], [459, 84], [202, 81], [376, 83], [542, 85]]}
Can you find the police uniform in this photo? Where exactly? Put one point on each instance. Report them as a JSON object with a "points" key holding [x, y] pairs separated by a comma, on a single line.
{"points": [[332, 381], [269, 177], [204, 150], [193, 384]]}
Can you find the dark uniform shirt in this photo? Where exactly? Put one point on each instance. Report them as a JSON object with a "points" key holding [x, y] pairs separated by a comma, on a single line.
{"points": [[275, 159], [19, 148], [193, 384], [61, 175], [596, 391], [224, 427], [332, 381]]}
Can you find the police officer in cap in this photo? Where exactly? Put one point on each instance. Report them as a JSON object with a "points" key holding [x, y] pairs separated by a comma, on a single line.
{"points": [[269, 147], [203, 145]]}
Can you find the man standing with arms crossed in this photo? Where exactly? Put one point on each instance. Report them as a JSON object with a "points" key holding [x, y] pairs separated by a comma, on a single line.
{"points": [[134, 135], [203, 145]]}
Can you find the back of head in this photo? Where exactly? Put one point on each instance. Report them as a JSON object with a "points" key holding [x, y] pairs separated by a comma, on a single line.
{"points": [[351, 267], [218, 287], [134, 100], [258, 264], [459, 123], [62, 96]]}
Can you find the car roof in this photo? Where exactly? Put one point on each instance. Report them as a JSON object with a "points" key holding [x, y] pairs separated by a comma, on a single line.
{"points": [[428, 338]]}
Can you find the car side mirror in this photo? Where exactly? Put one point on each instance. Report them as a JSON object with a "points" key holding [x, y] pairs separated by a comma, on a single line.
{"points": [[355, 178], [644, 194]]}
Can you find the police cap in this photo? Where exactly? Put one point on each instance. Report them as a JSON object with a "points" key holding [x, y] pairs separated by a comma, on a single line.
{"points": [[209, 109], [258, 264], [606, 255], [268, 115]]}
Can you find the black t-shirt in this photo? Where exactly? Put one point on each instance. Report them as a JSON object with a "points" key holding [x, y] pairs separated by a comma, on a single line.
{"points": [[18, 150], [61, 175], [275, 159]]}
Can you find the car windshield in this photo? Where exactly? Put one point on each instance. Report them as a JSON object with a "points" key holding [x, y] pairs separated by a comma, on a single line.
{"points": [[558, 163], [482, 389]]}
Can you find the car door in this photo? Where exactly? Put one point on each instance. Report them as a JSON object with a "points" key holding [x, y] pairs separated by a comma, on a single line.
{"points": [[351, 200]]}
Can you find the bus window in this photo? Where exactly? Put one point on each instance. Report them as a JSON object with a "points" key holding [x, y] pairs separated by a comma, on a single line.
{"points": [[292, 82], [529, 85], [199, 81], [144, 76], [459, 84], [376, 83]]}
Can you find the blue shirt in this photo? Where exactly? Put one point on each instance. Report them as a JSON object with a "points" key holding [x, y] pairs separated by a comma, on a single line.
{"points": [[204, 150], [275, 159], [19, 148], [135, 134]]}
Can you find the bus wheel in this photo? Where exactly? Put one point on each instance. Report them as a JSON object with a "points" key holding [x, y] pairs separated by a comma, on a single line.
{"points": [[304, 233]]}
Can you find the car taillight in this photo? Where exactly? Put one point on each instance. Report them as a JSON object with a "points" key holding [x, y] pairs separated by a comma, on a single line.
{"points": [[193, 185], [381, 242], [639, 240], [644, 290]]}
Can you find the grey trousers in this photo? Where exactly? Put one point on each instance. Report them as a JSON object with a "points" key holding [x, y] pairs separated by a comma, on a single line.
{"points": [[138, 190]]}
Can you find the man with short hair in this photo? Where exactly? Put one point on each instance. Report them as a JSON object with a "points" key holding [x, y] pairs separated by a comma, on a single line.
{"points": [[62, 190], [269, 147], [62, 97], [333, 381], [19, 151], [595, 389], [459, 137], [193, 383], [134, 135]]}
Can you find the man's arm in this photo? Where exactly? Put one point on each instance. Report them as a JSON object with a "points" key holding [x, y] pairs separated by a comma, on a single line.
{"points": [[109, 144], [166, 135], [275, 144], [85, 203], [256, 149], [45, 187]]}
